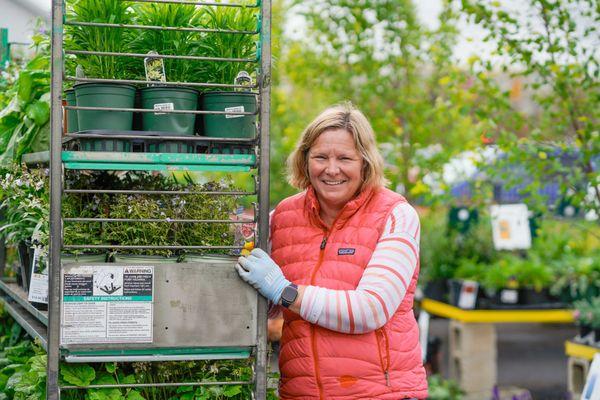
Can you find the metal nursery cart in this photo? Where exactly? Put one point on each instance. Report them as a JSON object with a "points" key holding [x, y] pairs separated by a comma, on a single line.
{"points": [[200, 310]]}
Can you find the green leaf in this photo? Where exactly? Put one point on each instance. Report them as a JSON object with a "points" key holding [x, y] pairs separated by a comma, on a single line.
{"points": [[135, 395], [38, 363], [232, 390], [110, 367], [77, 374], [39, 112], [25, 86]]}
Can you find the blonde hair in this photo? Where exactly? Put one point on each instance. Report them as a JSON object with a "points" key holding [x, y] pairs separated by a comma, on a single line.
{"points": [[347, 117]]}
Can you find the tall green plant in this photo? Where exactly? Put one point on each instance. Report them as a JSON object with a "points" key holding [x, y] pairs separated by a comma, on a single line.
{"points": [[228, 45], [104, 39], [167, 42]]}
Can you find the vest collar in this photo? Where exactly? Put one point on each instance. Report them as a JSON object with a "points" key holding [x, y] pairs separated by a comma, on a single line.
{"points": [[313, 208]]}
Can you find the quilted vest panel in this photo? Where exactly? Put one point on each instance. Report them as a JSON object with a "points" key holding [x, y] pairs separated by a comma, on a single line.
{"points": [[317, 363]]}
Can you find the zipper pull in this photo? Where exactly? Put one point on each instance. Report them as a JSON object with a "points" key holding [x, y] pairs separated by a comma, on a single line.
{"points": [[324, 242], [387, 378]]}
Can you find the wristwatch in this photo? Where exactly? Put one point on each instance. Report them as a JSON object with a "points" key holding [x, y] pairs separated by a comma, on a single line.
{"points": [[289, 295]]}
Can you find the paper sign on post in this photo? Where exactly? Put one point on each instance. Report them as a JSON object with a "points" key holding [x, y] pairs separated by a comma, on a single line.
{"points": [[510, 227], [38, 287]]}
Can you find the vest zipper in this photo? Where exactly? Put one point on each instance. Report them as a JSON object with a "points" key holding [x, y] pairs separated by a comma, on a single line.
{"points": [[387, 353], [384, 366], [313, 327]]}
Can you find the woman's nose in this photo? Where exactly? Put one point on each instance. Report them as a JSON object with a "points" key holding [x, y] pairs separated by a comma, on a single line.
{"points": [[332, 167]]}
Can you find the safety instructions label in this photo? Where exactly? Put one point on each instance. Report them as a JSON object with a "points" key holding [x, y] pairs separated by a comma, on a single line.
{"points": [[107, 304]]}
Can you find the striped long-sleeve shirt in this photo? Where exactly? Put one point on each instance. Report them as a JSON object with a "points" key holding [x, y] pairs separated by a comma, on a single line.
{"points": [[382, 287]]}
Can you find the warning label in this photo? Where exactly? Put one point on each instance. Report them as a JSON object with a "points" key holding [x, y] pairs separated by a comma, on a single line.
{"points": [[107, 304]]}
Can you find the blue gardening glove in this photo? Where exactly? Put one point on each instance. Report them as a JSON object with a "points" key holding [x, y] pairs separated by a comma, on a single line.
{"points": [[260, 271]]}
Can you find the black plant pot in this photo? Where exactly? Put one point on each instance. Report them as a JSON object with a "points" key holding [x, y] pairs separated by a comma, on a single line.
{"points": [[25, 258], [531, 298], [436, 289]]}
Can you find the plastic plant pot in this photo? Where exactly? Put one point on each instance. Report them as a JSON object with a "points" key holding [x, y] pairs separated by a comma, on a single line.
{"points": [[72, 123], [169, 98], [228, 125], [105, 95]]}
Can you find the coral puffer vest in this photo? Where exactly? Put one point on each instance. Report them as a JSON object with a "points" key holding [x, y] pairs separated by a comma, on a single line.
{"points": [[315, 362]]}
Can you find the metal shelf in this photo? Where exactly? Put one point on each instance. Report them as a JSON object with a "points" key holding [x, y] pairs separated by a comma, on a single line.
{"points": [[166, 354], [574, 349], [497, 316], [101, 160], [17, 294], [32, 326]]}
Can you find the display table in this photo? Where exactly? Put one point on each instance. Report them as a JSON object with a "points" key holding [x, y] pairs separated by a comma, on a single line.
{"points": [[472, 341], [578, 365]]}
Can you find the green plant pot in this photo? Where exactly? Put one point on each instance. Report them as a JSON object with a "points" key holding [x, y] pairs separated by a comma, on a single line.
{"points": [[72, 123], [169, 98], [105, 95], [229, 126]]}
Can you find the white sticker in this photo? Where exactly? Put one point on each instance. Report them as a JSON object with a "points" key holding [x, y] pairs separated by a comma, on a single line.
{"points": [[468, 295], [107, 304], [509, 296], [237, 109], [38, 287], [163, 107]]}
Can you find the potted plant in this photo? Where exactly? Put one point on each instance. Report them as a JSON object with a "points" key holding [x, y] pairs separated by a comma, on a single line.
{"points": [[241, 46], [114, 95], [583, 319], [161, 96]]}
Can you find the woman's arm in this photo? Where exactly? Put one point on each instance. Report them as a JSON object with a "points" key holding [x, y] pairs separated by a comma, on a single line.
{"points": [[382, 287]]}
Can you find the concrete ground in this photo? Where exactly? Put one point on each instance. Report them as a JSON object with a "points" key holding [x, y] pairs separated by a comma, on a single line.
{"points": [[530, 356]]}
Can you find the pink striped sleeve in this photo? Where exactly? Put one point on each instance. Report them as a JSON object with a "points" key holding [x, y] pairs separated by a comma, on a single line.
{"points": [[382, 287]]}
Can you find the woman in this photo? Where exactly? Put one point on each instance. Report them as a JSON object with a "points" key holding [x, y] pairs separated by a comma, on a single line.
{"points": [[343, 268]]}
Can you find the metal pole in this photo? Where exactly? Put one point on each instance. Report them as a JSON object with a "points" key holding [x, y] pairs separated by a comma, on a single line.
{"points": [[53, 392], [260, 389]]}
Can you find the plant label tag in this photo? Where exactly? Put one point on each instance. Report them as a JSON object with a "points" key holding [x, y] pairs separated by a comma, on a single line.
{"points": [[509, 296], [236, 109], [155, 68], [38, 287], [468, 295], [163, 107]]}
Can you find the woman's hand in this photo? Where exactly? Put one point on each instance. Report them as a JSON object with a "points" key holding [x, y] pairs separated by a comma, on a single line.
{"points": [[260, 271]]}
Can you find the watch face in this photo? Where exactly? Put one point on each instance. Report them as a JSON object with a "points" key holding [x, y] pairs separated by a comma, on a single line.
{"points": [[288, 296]]}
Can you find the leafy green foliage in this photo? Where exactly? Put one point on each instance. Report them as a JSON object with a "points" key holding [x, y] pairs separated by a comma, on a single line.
{"points": [[550, 47], [229, 45], [182, 43], [89, 38], [24, 121], [26, 204], [440, 389]]}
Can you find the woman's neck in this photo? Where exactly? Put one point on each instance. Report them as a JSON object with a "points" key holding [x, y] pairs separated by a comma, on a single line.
{"points": [[328, 213]]}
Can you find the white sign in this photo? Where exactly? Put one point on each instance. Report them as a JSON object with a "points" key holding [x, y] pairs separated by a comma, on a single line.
{"points": [[510, 227], [107, 304], [38, 287], [591, 391], [163, 107], [237, 109]]}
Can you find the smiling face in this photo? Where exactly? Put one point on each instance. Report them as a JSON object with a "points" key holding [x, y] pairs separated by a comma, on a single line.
{"points": [[334, 169]]}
